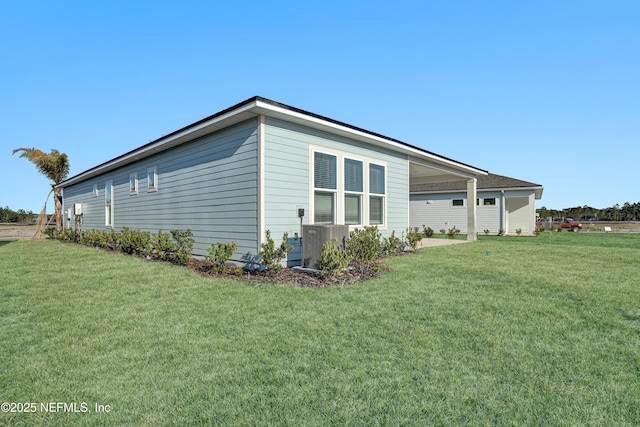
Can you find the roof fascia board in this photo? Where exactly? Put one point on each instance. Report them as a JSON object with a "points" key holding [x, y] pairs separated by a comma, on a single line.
{"points": [[256, 106], [361, 135], [182, 135], [484, 190]]}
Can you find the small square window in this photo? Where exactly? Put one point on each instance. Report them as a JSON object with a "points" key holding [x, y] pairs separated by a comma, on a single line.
{"points": [[458, 202]]}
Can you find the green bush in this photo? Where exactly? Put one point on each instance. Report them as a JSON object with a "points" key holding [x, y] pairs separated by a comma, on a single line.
{"points": [[184, 246], [333, 259], [163, 245], [428, 231], [392, 245], [443, 231], [219, 254], [453, 232], [272, 256], [501, 232], [518, 231], [413, 238], [364, 243], [486, 231]]}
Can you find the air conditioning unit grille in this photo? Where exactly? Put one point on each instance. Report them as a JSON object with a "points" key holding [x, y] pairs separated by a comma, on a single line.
{"points": [[314, 236]]}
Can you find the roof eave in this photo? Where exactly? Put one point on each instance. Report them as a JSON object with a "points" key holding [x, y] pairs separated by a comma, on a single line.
{"points": [[254, 107]]}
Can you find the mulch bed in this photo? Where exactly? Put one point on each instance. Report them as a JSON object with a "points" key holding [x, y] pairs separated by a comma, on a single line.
{"points": [[356, 272]]}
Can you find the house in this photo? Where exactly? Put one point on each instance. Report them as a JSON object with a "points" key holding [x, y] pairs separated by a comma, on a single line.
{"points": [[502, 203], [256, 166]]}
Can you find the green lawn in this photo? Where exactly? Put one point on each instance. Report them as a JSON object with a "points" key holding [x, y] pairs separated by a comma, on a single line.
{"points": [[504, 331]]}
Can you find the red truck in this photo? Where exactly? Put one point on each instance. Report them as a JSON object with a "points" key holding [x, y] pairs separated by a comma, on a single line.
{"points": [[571, 224]]}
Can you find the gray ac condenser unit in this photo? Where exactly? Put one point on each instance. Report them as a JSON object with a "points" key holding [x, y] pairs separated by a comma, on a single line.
{"points": [[314, 236]]}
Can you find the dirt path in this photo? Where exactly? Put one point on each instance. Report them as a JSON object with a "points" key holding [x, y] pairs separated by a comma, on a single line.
{"points": [[15, 231]]}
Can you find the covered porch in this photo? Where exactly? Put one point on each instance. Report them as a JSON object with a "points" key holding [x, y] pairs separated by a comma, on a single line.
{"points": [[423, 171]]}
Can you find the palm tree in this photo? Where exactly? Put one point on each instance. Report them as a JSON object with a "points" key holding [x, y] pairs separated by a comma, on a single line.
{"points": [[55, 166]]}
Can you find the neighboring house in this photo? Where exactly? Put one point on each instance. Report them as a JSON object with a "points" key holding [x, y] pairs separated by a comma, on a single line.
{"points": [[259, 165], [503, 203]]}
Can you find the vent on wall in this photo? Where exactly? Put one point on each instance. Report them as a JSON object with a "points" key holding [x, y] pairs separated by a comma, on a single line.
{"points": [[314, 236]]}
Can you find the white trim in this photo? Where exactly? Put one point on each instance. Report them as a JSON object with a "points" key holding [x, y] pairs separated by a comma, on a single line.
{"points": [[256, 108], [95, 190], [261, 179]]}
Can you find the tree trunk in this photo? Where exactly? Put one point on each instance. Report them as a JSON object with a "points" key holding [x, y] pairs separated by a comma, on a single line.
{"points": [[57, 198]]}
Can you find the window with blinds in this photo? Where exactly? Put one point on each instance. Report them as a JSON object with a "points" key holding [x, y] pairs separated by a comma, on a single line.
{"points": [[325, 182], [353, 186], [376, 194]]}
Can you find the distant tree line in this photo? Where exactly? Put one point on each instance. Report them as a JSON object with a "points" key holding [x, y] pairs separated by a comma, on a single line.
{"points": [[626, 212], [20, 216]]}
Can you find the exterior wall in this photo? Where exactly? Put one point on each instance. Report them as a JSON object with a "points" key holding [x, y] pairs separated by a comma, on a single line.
{"points": [[440, 213], [521, 212], [209, 185], [288, 182]]}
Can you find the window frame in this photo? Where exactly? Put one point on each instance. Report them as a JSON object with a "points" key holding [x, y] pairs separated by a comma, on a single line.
{"points": [[108, 204], [353, 193], [382, 196], [152, 170], [341, 194], [484, 201], [95, 191], [325, 190], [133, 179], [454, 205]]}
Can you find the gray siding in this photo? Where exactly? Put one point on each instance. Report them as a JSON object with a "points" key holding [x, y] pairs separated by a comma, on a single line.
{"points": [[208, 185], [287, 163]]}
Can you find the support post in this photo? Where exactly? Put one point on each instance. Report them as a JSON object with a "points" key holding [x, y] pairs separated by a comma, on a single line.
{"points": [[472, 220]]}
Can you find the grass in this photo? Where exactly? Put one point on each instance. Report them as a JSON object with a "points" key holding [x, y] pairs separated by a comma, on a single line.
{"points": [[504, 331]]}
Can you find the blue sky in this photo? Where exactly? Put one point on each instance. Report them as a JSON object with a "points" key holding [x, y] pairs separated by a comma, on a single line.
{"points": [[544, 91]]}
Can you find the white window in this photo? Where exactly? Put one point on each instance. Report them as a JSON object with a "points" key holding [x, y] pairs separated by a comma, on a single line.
{"points": [[95, 190], [457, 202], [133, 183], [325, 188], [353, 190], [347, 190], [108, 204], [152, 179], [489, 202], [376, 194]]}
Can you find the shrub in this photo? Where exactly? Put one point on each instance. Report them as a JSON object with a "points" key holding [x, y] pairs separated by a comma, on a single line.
{"points": [[333, 259], [270, 256], [518, 231], [428, 231], [486, 231], [364, 243], [392, 245], [163, 245], [453, 232], [443, 231], [501, 232], [184, 246], [413, 238], [219, 254]]}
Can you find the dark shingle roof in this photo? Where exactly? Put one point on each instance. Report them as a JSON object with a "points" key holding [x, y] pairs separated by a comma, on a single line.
{"points": [[484, 182]]}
